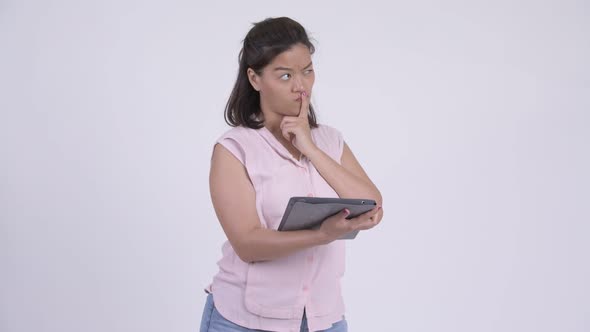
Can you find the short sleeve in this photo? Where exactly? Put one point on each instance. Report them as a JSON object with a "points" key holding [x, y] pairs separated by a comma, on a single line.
{"points": [[331, 141], [339, 143], [233, 146]]}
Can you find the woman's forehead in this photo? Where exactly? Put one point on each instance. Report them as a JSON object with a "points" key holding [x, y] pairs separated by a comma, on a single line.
{"points": [[297, 57]]}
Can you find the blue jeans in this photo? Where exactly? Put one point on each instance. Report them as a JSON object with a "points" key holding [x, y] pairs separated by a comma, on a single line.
{"points": [[212, 321]]}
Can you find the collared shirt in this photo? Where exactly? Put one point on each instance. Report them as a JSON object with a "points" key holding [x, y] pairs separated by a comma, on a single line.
{"points": [[271, 295]]}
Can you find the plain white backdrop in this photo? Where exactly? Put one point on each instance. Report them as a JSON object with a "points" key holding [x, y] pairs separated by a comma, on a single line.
{"points": [[471, 117]]}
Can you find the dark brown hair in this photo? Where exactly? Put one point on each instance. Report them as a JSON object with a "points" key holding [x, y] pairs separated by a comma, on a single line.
{"points": [[266, 40]]}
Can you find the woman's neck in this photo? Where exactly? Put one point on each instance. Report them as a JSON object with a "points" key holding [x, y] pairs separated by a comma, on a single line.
{"points": [[272, 122]]}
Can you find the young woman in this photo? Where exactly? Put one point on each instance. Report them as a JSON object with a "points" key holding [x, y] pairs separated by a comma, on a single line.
{"points": [[270, 280]]}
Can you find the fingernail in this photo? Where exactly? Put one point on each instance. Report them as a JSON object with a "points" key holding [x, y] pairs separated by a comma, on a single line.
{"points": [[346, 211]]}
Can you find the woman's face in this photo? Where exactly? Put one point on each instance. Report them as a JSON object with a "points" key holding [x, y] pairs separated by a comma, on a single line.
{"points": [[281, 81]]}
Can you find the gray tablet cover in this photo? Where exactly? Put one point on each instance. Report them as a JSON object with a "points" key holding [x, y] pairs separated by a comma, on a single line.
{"points": [[309, 212]]}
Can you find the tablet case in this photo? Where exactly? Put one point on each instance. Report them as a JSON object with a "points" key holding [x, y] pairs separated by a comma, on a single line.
{"points": [[310, 212]]}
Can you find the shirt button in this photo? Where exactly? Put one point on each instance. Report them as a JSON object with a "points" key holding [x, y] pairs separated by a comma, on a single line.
{"points": [[309, 195], [305, 288]]}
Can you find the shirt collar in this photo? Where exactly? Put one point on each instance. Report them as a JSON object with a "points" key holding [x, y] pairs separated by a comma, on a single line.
{"points": [[279, 148]]}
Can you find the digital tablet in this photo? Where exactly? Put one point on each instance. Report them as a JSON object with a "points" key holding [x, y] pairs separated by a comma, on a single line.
{"points": [[310, 212]]}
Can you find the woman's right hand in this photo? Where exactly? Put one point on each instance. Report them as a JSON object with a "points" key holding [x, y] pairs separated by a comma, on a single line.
{"points": [[337, 225]]}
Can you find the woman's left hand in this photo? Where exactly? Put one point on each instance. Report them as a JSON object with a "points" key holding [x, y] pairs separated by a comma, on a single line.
{"points": [[298, 126]]}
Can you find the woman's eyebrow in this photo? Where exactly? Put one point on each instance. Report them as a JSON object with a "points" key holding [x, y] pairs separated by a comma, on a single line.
{"points": [[289, 69]]}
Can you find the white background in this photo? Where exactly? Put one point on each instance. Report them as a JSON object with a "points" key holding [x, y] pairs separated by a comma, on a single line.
{"points": [[471, 117]]}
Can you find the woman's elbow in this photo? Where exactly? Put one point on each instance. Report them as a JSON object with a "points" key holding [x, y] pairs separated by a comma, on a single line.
{"points": [[244, 257], [244, 249], [242, 252]]}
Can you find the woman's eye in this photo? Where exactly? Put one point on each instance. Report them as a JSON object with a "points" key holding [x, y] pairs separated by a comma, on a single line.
{"points": [[285, 77]]}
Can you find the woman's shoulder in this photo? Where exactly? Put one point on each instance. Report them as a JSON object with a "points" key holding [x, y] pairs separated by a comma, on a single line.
{"points": [[327, 132], [237, 133], [329, 139], [238, 140]]}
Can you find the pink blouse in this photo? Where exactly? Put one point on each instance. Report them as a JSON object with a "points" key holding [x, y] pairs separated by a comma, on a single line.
{"points": [[271, 295]]}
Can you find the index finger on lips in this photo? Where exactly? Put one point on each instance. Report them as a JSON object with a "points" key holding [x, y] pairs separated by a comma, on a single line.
{"points": [[304, 108]]}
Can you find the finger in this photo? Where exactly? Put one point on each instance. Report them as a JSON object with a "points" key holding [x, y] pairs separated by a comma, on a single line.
{"points": [[369, 215], [371, 212], [376, 210], [288, 130], [364, 224], [369, 223], [289, 126], [304, 108], [374, 214], [286, 134], [345, 213], [287, 120]]}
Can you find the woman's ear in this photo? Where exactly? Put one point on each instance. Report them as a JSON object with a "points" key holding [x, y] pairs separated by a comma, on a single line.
{"points": [[253, 78]]}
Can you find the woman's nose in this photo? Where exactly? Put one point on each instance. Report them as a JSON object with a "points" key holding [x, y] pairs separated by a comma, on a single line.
{"points": [[298, 85]]}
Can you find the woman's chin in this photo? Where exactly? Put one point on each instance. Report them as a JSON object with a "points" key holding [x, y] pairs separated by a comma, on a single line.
{"points": [[293, 112]]}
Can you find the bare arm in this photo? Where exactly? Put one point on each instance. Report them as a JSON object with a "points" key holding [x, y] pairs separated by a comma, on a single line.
{"points": [[349, 180], [234, 197]]}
